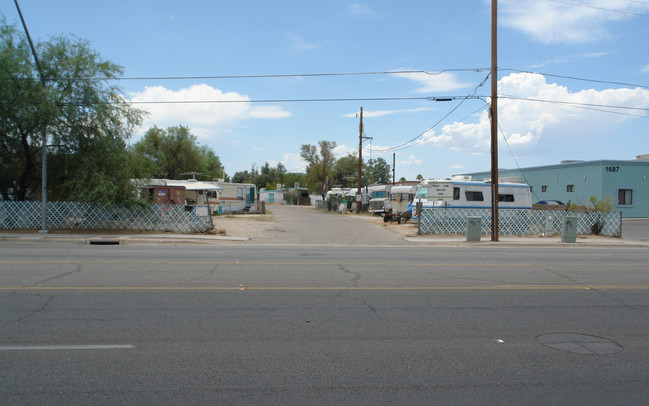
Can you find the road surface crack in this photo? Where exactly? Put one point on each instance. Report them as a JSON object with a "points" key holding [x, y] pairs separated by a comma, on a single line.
{"points": [[33, 312], [64, 274], [356, 276]]}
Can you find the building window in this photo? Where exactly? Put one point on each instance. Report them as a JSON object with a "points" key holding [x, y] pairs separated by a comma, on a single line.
{"points": [[544, 188], [625, 197], [456, 193], [531, 188], [474, 197], [570, 188]]}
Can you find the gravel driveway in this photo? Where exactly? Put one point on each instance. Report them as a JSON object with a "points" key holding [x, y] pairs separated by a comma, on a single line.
{"points": [[305, 225]]}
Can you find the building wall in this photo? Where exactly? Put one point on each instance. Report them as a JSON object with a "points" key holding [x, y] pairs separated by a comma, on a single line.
{"points": [[590, 178]]}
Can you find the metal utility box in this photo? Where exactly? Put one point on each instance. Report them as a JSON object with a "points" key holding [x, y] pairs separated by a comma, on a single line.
{"points": [[473, 228], [569, 229]]}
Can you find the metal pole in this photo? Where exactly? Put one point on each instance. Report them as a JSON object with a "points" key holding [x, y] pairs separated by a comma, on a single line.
{"points": [[360, 163], [394, 157], [44, 129], [494, 121]]}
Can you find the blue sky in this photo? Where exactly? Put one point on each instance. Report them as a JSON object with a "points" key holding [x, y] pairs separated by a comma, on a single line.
{"points": [[545, 117]]}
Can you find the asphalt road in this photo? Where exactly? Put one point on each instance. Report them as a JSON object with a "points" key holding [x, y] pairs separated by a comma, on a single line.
{"points": [[330, 324]]}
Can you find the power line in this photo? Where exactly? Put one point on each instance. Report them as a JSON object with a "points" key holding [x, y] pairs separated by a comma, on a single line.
{"points": [[319, 100], [276, 76], [576, 78], [602, 8], [504, 96]]}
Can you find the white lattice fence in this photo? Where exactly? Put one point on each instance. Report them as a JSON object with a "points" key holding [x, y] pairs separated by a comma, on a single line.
{"points": [[87, 216], [515, 222]]}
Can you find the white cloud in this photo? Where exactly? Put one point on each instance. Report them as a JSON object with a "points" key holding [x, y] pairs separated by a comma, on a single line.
{"points": [[430, 83], [412, 160], [564, 59], [379, 113], [293, 163], [645, 69], [171, 107], [361, 10], [549, 22], [458, 166], [299, 45], [532, 125]]}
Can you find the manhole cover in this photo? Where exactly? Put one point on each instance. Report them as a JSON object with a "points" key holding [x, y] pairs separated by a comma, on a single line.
{"points": [[580, 343]]}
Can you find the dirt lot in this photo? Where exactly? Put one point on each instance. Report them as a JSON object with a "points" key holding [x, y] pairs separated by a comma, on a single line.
{"points": [[266, 227]]}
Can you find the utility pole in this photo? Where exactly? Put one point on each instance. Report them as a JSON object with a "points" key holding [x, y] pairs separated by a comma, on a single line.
{"points": [[360, 164], [494, 120], [43, 130], [394, 157]]}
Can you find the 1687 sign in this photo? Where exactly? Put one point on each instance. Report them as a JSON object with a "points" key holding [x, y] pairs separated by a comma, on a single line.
{"points": [[612, 169]]}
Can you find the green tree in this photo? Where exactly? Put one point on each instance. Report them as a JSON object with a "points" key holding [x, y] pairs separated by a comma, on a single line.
{"points": [[318, 165], [173, 153], [86, 119], [378, 171], [345, 171]]}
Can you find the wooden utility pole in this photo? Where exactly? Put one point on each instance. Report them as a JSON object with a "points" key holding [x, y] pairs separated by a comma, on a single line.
{"points": [[360, 164], [394, 157], [494, 120], [43, 128]]}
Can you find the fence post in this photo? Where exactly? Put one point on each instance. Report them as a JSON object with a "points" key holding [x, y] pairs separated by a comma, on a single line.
{"points": [[418, 208]]}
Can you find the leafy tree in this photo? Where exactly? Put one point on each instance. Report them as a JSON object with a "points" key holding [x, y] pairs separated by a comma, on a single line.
{"points": [[268, 177], [345, 171], [378, 171], [319, 166], [173, 153], [86, 119], [420, 177]]}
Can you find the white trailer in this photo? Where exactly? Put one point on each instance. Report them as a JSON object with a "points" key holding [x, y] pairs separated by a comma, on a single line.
{"points": [[236, 197]]}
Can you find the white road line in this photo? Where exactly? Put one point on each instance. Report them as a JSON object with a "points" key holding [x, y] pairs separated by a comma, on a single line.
{"points": [[64, 347]]}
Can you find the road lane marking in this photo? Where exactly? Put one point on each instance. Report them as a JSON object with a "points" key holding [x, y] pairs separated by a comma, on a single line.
{"points": [[306, 288], [65, 347], [336, 263]]}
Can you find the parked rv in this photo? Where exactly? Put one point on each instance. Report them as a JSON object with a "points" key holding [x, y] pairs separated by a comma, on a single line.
{"points": [[236, 197], [470, 194], [195, 192], [380, 199], [400, 200]]}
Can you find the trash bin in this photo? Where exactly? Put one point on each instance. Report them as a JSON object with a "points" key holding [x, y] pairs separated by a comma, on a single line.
{"points": [[473, 228], [569, 229]]}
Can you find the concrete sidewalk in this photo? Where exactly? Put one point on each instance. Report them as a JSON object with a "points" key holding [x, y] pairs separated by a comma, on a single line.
{"points": [[180, 239], [118, 239]]}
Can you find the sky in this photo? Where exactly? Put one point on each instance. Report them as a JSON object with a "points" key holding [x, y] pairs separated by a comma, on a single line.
{"points": [[255, 80]]}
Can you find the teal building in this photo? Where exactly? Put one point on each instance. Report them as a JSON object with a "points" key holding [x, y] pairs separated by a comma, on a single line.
{"points": [[626, 183]]}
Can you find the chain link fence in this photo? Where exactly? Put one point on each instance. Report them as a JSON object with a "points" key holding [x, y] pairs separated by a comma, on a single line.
{"points": [[517, 222], [88, 216]]}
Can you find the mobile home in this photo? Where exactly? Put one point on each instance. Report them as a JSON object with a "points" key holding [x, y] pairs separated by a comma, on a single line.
{"points": [[237, 197]]}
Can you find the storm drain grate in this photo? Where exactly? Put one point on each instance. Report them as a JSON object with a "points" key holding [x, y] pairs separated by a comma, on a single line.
{"points": [[104, 241], [580, 343]]}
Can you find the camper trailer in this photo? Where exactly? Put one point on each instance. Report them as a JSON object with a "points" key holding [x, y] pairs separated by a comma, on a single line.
{"points": [[195, 192], [237, 197], [400, 200], [469, 194]]}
